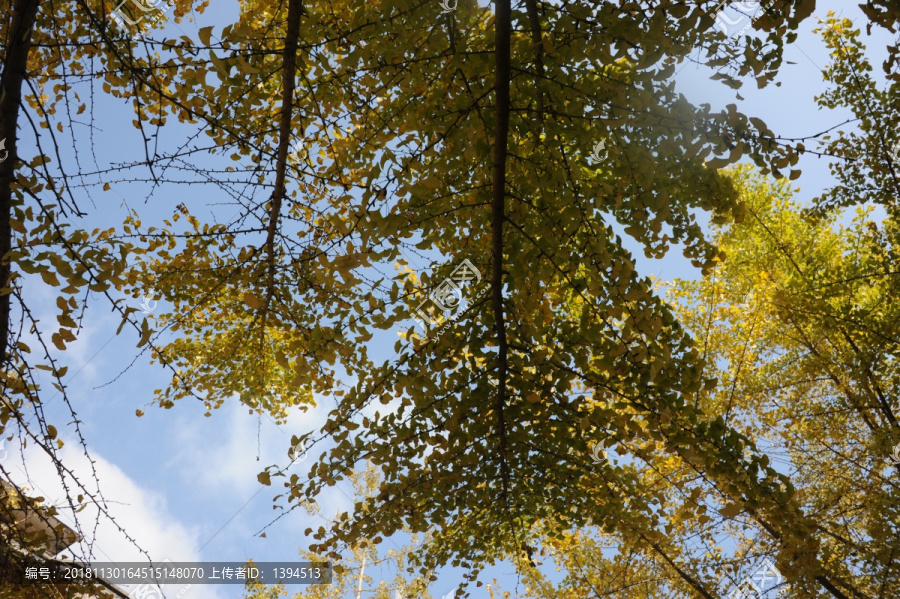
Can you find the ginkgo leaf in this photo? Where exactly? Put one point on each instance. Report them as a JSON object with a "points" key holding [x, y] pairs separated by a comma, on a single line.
{"points": [[252, 301], [730, 510], [49, 278], [146, 334], [57, 341], [205, 34]]}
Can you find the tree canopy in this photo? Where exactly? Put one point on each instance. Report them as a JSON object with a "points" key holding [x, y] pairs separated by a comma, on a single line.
{"points": [[349, 137]]}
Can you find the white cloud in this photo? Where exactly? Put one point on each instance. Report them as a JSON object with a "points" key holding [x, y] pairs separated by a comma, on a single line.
{"points": [[220, 453], [142, 513]]}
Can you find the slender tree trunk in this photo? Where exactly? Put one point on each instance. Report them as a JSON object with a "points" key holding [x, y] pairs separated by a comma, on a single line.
{"points": [[14, 71], [362, 571], [503, 29], [288, 80]]}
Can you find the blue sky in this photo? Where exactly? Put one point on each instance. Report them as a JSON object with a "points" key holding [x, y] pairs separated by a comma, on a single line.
{"points": [[184, 486]]}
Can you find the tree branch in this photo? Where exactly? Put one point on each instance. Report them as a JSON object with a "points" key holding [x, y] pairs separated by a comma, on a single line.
{"points": [[684, 575], [534, 21]]}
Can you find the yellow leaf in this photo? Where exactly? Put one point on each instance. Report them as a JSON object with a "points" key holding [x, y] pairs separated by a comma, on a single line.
{"points": [[205, 34], [263, 477], [51, 431], [252, 301], [731, 510], [146, 332], [56, 338], [50, 278]]}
